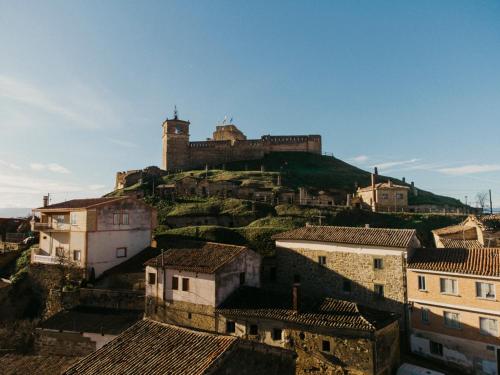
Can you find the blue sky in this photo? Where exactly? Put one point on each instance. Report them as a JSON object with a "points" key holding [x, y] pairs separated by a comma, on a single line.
{"points": [[410, 86]]}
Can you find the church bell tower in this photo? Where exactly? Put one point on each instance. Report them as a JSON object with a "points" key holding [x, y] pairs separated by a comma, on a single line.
{"points": [[175, 141]]}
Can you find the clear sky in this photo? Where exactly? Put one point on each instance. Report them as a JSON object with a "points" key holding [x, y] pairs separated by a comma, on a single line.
{"points": [[410, 86]]}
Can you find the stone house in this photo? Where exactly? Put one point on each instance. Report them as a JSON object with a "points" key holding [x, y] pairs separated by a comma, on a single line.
{"points": [[310, 197], [329, 336], [184, 286], [455, 310], [93, 234], [385, 196], [484, 230], [363, 265], [150, 347]]}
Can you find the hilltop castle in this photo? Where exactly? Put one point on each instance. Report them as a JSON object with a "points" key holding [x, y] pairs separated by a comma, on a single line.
{"points": [[228, 144]]}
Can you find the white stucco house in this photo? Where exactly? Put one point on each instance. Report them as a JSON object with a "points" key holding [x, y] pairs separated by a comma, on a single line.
{"points": [[96, 233]]}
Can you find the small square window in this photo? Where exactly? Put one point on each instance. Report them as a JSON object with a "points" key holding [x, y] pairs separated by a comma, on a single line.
{"points": [[242, 278], [125, 218], [277, 334], [151, 278], [254, 329], [346, 286], [325, 346], [175, 283], [77, 255], [378, 290], [121, 252], [378, 263], [322, 260], [230, 326], [185, 285]]}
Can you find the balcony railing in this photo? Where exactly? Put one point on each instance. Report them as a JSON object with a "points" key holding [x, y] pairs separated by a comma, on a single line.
{"points": [[47, 227], [44, 259]]}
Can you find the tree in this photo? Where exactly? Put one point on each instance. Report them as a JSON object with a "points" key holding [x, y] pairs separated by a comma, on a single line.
{"points": [[482, 197]]}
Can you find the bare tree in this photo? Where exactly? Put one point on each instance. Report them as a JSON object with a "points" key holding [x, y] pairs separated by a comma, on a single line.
{"points": [[481, 199]]}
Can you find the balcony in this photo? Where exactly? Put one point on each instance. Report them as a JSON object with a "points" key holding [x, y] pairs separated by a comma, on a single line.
{"points": [[50, 227], [44, 259]]}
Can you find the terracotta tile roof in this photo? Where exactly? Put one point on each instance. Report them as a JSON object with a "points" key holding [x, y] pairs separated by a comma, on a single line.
{"points": [[17, 364], [488, 222], [383, 185], [400, 238], [482, 262], [207, 259], [452, 229], [80, 203], [454, 244], [150, 347], [92, 320], [250, 302]]}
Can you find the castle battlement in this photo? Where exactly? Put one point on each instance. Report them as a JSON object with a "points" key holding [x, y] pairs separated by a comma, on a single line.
{"points": [[228, 144]]}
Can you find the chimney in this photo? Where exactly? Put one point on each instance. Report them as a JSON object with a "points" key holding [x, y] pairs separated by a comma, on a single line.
{"points": [[389, 182], [404, 180], [296, 297], [374, 193], [45, 200], [367, 226], [375, 170]]}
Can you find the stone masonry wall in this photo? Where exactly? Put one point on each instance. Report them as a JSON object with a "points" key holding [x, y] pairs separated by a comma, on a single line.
{"points": [[70, 344]]}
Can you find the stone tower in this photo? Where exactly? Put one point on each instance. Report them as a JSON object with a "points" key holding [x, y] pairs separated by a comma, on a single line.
{"points": [[175, 140]]}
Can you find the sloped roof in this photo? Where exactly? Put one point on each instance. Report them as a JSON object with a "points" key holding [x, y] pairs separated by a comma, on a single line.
{"points": [[92, 320], [467, 244], [399, 238], [459, 228], [18, 364], [482, 261], [383, 185], [207, 259], [150, 347], [81, 203], [332, 313]]}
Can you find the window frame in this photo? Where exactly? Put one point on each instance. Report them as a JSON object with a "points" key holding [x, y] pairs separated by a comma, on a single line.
{"points": [[378, 263], [424, 315], [494, 296], [433, 345], [328, 345], [488, 333], [123, 216], [454, 283], [73, 218], [322, 260], [451, 323], [175, 282], [230, 326], [124, 252], [424, 282], [185, 284], [151, 277], [116, 218], [79, 257], [276, 336]]}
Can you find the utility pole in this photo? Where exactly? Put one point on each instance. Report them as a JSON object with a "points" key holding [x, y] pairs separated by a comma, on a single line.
{"points": [[491, 204]]}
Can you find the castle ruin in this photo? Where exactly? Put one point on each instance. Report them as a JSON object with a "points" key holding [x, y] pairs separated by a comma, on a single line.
{"points": [[228, 144]]}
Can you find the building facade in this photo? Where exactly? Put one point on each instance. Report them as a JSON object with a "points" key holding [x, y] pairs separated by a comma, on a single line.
{"points": [[93, 234], [229, 144], [363, 265], [385, 197], [455, 313]]}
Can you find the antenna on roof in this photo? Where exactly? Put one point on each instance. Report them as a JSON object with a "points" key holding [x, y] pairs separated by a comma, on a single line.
{"points": [[176, 113]]}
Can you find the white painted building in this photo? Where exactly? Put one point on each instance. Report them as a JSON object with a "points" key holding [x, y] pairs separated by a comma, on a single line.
{"points": [[97, 233]]}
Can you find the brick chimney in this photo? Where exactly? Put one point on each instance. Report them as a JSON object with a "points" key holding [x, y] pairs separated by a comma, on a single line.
{"points": [[45, 200], [296, 297]]}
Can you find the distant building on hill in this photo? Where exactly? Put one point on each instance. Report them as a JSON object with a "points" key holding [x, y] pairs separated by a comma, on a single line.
{"points": [[385, 196], [475, 231], [228, 144]]}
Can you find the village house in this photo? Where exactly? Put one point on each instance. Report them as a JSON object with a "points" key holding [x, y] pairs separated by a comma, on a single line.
{"points": [[385, 196], [93, 234], [363, 265], [455, 309], [474, 231], [151, 347], [329, 336], [184, 286]]}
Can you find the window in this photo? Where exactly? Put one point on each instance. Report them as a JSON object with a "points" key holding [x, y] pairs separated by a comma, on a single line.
{"points": [[346, 286], [73, 218], [325, 346], [385, 196], [378, 290], [151, 278], [273, 274], [485, 290], [296, 278], [378, 264], [190, 316], [277, 334], [60, 252], [421, 283], [488, 326], [59, 219], [116, 218], [77, 255], [230, 326], [448, 286], [175, 283], [242, 278], [185, 285], [125, 218], [254, 329], [451, 319], [424, 315], [322, 260], [399, 196], [436, 348], [121, 252]]}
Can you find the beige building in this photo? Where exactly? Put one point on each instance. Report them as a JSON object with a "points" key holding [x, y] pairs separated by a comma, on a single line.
{"points": [[475, 231], [184, 286], [385, 196], [96, 233], [363, 265], [455, 312]]}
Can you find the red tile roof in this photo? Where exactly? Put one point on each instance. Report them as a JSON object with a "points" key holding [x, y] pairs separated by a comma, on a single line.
{"points": [[481, 262], [207, 259], [399, 238], [80, 203], [454, 244], [17, 364], [150, 347]]}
